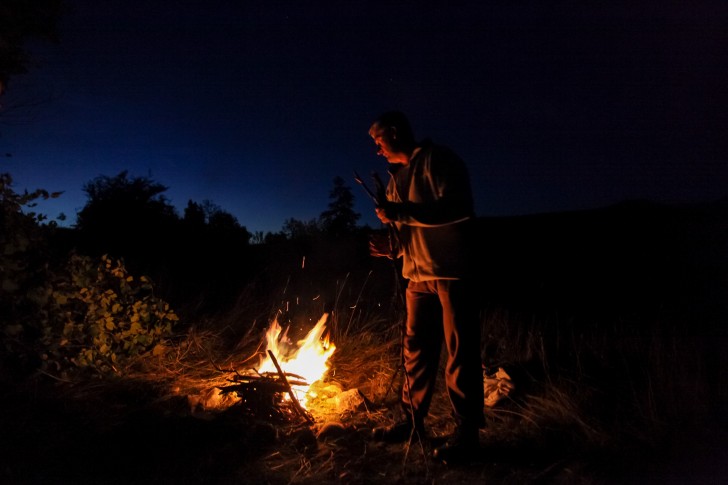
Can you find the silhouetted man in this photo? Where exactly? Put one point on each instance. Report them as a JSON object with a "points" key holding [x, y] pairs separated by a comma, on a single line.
{"points": [[429, 200]]}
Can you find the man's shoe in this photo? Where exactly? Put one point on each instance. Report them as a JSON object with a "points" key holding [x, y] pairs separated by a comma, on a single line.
{"points": [[399, 432], [462, 447]]}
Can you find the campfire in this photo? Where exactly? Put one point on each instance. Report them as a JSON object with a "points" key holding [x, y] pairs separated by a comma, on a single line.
{"points": [[285, 373], [308, 360]]}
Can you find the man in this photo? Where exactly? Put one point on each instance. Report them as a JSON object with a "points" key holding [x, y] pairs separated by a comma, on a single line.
{"points": [[429, 201]]}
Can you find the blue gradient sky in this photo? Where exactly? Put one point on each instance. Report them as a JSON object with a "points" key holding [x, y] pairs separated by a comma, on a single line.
{"points": [[257, 106]]}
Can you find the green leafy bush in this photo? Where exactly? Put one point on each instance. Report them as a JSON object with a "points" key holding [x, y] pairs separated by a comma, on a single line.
{"points": [[107, 317], [79, 314]]}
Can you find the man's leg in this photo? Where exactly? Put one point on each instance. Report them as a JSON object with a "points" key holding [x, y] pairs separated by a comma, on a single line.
{"points": [[463, 374], [422, 343], [421, 354]]}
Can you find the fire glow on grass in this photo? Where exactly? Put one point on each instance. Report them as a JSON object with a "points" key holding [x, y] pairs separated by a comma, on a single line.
{"points": [[308, 359]]}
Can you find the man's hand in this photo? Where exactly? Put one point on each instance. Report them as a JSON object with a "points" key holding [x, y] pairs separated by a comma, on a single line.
{"points": [[382, 215], [387, 212]]}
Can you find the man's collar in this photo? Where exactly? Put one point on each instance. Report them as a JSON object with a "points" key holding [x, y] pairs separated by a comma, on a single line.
{"points": [[414, 153]]}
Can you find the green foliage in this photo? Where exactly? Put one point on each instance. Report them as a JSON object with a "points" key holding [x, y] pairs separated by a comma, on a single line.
{"points": [[90, 317], [73, 315], [101, 317]]}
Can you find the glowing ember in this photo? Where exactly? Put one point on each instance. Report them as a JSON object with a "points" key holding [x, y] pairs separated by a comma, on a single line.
{"points": [[309, 359]]}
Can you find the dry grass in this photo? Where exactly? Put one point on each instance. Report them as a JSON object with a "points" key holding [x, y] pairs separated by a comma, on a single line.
{"points": [[576, 415]]}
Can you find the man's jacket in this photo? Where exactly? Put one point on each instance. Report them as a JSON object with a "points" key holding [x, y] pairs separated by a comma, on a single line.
{"points": [[433, 209]]}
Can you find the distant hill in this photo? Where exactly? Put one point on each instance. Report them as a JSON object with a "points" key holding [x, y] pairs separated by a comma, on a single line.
{"points": [[631, 255]]}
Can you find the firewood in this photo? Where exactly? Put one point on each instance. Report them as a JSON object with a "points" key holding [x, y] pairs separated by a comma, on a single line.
{"points": [[296, 404]]}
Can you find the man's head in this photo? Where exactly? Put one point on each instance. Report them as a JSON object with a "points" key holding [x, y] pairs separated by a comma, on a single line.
{"points": [[393, 136]]}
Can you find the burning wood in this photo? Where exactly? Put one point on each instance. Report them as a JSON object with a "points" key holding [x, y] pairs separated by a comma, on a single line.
{"points": [[282, 375], [285, 376]]}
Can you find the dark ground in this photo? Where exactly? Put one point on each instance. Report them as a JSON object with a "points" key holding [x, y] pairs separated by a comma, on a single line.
{"points": [[126, 434]]}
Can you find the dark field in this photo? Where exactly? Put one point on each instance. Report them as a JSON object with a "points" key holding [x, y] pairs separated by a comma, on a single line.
{"points": [[611, 323]]}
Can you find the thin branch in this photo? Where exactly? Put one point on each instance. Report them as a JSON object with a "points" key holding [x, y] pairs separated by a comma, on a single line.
{"points": [[296, 404]]}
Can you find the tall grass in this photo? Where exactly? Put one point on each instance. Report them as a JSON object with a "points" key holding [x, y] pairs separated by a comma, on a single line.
{"points": [[597, 381], [590, 368]]}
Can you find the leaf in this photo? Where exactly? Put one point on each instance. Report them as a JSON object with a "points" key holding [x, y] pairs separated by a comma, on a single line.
{"points": [[61, 299], [159, 349]]}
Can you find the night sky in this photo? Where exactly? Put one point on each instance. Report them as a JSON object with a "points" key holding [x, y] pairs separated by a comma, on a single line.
{"points": [[257, 106]]}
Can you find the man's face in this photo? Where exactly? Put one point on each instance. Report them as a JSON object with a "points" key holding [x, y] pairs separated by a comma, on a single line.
{"points": [[385, 139]]}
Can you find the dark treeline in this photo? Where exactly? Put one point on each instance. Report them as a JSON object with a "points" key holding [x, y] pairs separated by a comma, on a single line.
{"points": [[625, 258], [631, 260], [202, 260], [634, 256]]}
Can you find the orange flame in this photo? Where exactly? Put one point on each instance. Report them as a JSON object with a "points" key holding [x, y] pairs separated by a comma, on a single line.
{"points": [[309, 359]]}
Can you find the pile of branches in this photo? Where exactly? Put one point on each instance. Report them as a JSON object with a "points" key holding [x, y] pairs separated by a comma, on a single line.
{"points": [[262, 395]]}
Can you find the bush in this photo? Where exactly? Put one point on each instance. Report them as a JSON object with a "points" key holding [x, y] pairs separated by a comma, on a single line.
{"points": [[92, 317], [107, 318], [72, 315]]}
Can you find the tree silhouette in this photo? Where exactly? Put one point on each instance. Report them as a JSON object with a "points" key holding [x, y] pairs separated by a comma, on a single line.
{"points": [[340, 218], [194, 215], [210, 221], [123, 201], [127, 217], [201, 255], [218, 218], [296, 230]]}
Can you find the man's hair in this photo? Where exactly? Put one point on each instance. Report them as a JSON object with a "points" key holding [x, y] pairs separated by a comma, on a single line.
{"points": [[398, 121]]}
